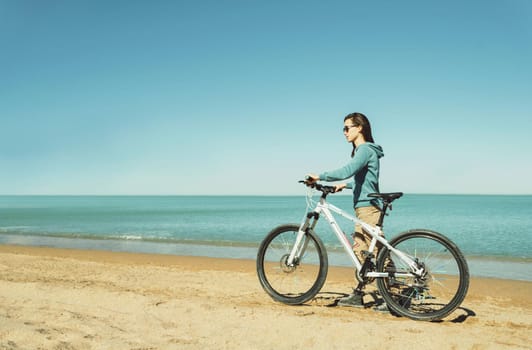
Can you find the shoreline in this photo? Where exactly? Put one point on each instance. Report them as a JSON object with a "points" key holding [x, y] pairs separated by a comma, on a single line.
{"points": [[91, 299], [510, 268]]}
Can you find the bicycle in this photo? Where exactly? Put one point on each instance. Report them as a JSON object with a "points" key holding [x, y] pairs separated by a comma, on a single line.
{"points": [[420, 274]]}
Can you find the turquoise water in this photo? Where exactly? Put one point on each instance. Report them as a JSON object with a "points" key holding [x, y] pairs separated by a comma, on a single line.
{"points": [[494, 232]]}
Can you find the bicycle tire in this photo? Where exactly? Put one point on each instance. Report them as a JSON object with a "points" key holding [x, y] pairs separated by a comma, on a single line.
{"points": [[436, 294], [296, 284]]}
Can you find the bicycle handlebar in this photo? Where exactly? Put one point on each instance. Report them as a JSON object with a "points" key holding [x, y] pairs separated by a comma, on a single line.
{"points": [[323, 188]]}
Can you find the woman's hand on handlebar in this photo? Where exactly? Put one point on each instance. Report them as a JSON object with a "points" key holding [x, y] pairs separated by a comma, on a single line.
{"points": [[339, 187], [311, 179]]}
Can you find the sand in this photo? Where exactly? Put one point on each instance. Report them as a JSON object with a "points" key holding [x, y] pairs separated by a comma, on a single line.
{"points": [[83, 299]]}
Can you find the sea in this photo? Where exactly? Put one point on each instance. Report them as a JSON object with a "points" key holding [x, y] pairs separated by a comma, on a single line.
{"points": [[494, 232]]}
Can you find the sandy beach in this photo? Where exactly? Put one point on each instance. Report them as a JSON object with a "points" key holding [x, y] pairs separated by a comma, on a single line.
{"points": [[84, 299]]}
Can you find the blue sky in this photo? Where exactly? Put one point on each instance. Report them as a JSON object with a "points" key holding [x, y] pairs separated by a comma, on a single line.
{"points": [[246, 97]]}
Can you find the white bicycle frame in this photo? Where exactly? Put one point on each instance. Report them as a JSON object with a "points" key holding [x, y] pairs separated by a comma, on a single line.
{"points": [[325, 208]]}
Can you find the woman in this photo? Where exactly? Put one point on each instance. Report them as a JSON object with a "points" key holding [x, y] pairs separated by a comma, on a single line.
{"points": [[364, 167]]}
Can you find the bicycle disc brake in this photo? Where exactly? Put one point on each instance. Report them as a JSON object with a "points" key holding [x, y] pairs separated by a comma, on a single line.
{"points": [[284, 264]]}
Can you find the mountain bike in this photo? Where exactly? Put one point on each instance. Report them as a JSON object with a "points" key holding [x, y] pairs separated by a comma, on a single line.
{"points": [[420, 274]]}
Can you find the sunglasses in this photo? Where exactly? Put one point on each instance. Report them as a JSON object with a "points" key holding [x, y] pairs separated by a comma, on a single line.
{"points": [[348, 127]]}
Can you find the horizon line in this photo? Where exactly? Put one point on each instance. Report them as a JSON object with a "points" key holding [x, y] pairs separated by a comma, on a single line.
{"points": [[240, 195]]}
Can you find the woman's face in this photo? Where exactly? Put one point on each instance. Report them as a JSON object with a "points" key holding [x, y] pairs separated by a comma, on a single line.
{"points": [[351, 132]]}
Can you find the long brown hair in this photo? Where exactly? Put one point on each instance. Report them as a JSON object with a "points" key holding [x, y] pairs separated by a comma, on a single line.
{"points": [[359, 119]]}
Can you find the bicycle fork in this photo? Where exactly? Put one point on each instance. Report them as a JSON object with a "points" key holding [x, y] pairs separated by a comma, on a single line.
{"points": [[299, 249]]}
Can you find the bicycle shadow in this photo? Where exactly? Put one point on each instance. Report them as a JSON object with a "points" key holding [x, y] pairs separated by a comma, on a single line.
{"points": [[330, 299]]}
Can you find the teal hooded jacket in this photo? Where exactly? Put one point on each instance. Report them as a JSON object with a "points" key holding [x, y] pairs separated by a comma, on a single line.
{"points": [[364, 167]]}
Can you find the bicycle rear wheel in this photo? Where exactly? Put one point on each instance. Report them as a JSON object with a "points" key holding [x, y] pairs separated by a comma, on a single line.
{"points": [[436, 293], [295, 284]]}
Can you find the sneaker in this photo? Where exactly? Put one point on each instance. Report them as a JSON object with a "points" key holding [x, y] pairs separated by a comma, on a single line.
{"points": [[353, 300], [381, 308]]}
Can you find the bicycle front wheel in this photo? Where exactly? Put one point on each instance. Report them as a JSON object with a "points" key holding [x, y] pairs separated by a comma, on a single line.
{"points": [[432, 295], [297, 283]]}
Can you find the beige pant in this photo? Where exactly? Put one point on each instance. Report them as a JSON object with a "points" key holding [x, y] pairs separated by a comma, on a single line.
{"points": [[369, 215]]}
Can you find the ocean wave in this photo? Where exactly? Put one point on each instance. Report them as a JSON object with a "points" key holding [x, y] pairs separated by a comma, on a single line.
{"points": [[131, 237], [6, 229]]}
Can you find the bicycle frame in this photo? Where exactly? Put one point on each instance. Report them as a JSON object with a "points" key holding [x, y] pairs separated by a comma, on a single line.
{"points": [[327, 209]]}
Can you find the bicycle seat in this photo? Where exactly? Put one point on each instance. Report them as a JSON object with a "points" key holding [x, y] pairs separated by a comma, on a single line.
{"points": [[387, 197]]}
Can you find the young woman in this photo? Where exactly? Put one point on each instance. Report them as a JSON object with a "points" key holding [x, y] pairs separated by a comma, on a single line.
{"points": [[364, 167]]}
